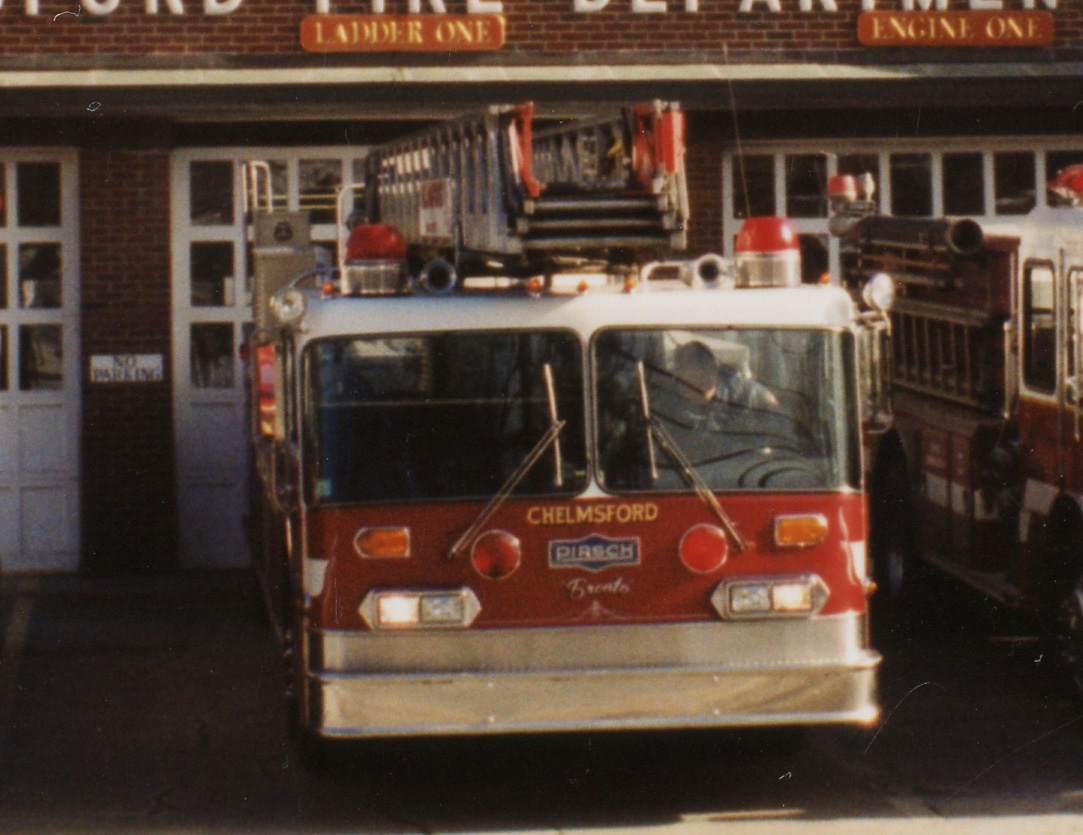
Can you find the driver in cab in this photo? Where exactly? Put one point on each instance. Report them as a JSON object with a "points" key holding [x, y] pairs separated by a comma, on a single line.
{"points": [[706, 385]]}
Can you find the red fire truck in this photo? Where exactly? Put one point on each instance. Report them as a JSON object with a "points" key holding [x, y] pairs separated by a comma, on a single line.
{"points": [[984, 459], [490, 501]]}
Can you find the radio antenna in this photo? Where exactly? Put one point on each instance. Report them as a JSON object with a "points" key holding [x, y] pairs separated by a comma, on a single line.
{"points": [[737, 131]]}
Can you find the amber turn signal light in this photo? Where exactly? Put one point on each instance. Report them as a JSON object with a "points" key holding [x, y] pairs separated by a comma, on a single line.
{"points": [[800, 530], [389, 542]]}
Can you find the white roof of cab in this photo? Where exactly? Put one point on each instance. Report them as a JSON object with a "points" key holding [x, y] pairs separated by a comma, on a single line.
{"points": [[660, 304]]}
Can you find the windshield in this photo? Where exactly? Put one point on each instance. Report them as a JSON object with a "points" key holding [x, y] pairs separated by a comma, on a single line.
{"points": [[746, 409], [448, 415]]}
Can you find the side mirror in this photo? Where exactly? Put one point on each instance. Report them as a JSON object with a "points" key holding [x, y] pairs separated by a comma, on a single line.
{"points": [[879, 293], [874, 370], [284, 492]]}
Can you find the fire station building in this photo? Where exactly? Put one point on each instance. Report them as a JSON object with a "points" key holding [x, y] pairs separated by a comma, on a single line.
{"points": [[124, 126]]}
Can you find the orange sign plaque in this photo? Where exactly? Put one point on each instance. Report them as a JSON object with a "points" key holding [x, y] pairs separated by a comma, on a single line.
{"points": [[402, 33], [962, 28]]}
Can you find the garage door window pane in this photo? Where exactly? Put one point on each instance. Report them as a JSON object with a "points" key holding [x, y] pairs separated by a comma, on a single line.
{"points": [[37, 187], [964, 184], [319, 183], [1055, 162], [3, 191], [3, 357], [3, 277], [1039, 328], [212, 273], [39, 275], [815, 261], [279, 185], [753, 186], [211, 190], [806, 185], [212, 355], [911, 185], [1013, 178], [41, 357]]}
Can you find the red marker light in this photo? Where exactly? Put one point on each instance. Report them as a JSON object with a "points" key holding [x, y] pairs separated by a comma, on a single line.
{"points": [[496, 554], [703, 548], [375, 242]]}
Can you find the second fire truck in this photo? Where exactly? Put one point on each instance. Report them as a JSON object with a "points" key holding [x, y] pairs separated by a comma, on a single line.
{"points": [[491, 501], [985, 455]]}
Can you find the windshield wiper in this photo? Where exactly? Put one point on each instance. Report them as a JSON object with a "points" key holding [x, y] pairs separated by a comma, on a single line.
{"points": [[688, 469], [550, 436], [551, 396]]}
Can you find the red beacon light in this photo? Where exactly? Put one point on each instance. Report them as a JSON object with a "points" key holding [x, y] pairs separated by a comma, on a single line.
{"points": [[1068, 185], [375, 242], [768, 253], [842, 186], [841, 191], [375, 260]]}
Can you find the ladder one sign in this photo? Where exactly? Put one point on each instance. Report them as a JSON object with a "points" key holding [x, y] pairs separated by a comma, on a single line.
{"points": [[402, 33]]}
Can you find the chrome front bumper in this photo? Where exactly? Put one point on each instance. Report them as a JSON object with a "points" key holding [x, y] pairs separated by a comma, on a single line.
{"points": [[769, 672]]}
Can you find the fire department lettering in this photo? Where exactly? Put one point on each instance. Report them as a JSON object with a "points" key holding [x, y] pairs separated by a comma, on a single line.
{"points": [[592, 514], [593, 552]]}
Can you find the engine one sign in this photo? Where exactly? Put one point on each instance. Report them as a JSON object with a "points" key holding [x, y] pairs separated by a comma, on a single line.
{"points": [[963, 28]]}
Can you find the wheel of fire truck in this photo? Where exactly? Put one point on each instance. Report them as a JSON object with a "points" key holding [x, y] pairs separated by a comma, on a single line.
{"points": [[1062, 600], [893, 543]]}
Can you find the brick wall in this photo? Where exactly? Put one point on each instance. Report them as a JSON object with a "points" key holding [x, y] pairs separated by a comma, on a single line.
{"points": [[533, 27], [129, 520], [703, 163]]}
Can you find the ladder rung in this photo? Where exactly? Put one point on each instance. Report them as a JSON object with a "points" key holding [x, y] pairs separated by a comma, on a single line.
{"points": [[557, 223], [596, 241], [585, 204]]}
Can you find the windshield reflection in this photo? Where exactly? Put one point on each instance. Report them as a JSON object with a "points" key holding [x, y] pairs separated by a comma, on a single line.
{"points": [[442, 416], [455, 415], [745, 409]]}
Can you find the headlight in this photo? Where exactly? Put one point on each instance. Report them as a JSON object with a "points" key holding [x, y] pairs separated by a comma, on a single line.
{"points": [[414, 609], [288, 305], [770, 597], [879, 292]]}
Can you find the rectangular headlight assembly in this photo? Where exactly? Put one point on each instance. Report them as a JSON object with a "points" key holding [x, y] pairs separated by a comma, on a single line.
{"points": [[419, 609], [770, 597]]}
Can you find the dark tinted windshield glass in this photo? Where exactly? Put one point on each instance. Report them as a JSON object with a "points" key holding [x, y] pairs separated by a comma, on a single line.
{"points": [[441, 416], [746, 409]]}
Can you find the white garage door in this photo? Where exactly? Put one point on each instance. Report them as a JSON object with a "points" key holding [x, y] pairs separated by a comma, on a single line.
{"points": [[39, 362], [211, 310]]}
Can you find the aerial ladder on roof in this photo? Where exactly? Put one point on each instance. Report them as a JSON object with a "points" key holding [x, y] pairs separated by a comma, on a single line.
{"points": [[492, 194]]}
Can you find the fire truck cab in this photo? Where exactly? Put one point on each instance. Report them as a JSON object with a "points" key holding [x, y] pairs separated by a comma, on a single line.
{"points": [[580, 500], [984, 460]]}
